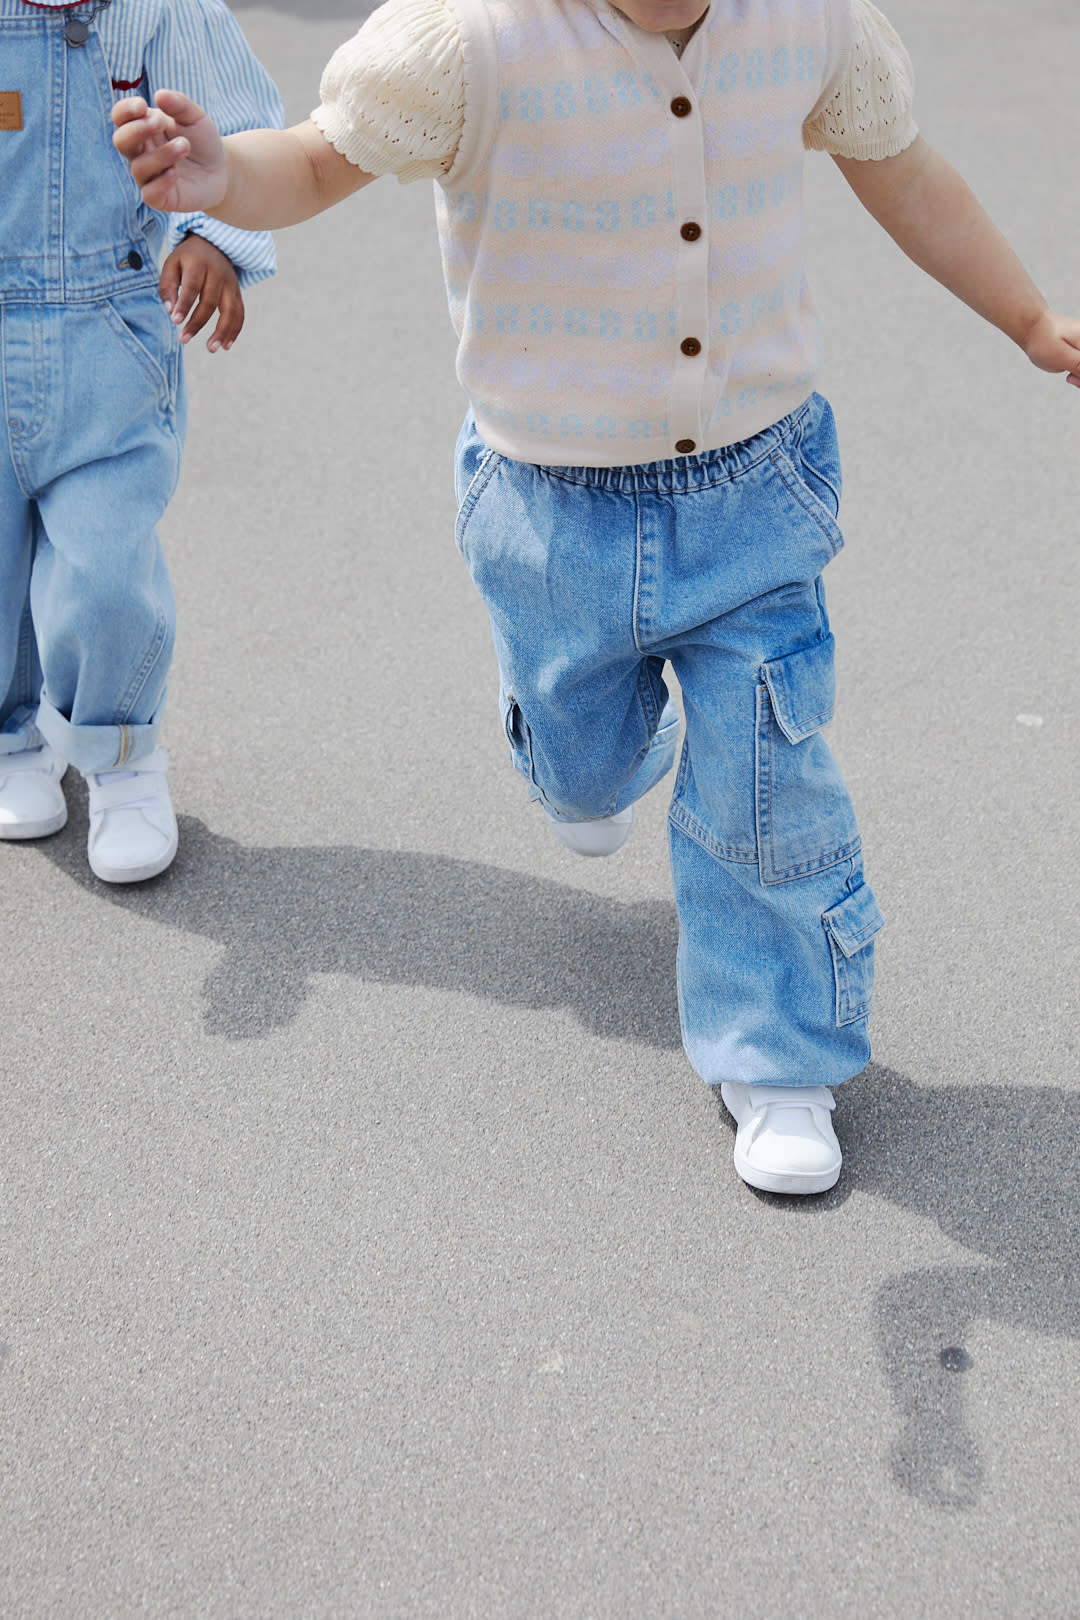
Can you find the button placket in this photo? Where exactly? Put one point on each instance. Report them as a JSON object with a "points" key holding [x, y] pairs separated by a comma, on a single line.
{"points": [[678, 85], [691, 292]]}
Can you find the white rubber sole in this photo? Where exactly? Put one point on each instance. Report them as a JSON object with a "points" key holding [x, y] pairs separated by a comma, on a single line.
{"points": [[605, 836], [15, 831], [799, 1183], [136, 874]]}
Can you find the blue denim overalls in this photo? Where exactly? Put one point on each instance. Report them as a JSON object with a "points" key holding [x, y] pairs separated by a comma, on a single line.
{"points": [[92, 407]]}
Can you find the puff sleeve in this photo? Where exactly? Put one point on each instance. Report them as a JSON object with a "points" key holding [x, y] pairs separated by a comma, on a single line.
{"points": [[393, 96], [869, 115]]}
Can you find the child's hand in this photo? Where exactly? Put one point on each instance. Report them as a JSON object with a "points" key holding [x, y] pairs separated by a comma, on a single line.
{"points": [[175, 152], [197, 279], [1053, 344]]}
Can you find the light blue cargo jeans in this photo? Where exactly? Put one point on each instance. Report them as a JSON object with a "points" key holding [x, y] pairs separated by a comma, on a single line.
{"points": [[595, 578], [92, 417]]}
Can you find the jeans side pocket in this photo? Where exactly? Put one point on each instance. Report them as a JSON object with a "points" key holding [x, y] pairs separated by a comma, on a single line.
{"points": [[154, 349], [487, 467], [852, 926], [816, 503]]}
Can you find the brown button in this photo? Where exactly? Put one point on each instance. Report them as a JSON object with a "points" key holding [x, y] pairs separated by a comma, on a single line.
{"points": [[690, 346], [690, 231], [682, 107], [685, 447]]}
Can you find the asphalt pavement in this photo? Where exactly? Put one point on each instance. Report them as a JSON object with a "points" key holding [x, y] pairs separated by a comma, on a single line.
{"points": [[367, 1245]]}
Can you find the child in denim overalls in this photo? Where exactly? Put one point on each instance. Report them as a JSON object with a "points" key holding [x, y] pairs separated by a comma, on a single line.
{"points": [[94, 403], [646, 475]]}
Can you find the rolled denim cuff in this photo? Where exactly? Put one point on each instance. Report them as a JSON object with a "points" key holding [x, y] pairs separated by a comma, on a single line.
{"points": [[97, 748], [19, 732]]}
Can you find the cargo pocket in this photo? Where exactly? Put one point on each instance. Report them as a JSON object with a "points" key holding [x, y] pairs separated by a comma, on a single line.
{"points": [[805, 821], [851, 927]]}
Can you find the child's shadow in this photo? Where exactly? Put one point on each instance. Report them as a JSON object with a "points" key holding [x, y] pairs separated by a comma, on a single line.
{"points": [[997, 1168], [398, 917]]}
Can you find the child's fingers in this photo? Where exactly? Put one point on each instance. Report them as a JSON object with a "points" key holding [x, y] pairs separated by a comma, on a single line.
{"points": [[156, 174], [1071, 360], [151, 147], [230, 317], [1054, 345], [169, 283], [129, 109], [140, 130], [180, 108], [191, 309]]}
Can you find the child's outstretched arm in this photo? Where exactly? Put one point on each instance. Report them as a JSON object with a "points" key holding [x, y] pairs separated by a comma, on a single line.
{"points": [[930, 212], [260, 179]]}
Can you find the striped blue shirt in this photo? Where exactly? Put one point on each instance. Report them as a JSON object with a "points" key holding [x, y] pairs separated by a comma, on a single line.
{"points": [[195, 46]]}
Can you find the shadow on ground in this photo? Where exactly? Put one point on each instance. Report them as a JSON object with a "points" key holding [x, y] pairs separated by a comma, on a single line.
{"points": [[995, 1166], [399, 917]]}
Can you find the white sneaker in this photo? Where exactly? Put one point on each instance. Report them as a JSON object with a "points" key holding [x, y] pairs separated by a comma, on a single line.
{"points": [[133, 833], [785, 1142], [601, 837], [31, 799]]}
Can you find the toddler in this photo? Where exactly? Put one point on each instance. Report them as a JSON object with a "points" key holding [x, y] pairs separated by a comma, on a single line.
{"points": [[94, 404], [646, 475]]}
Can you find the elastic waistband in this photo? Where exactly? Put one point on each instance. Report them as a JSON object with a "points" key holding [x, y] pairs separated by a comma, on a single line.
{"points": [[684, 474]]}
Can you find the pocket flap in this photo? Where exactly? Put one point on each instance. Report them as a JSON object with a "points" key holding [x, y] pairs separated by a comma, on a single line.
{"points": [[854, 922], [802, 687]]}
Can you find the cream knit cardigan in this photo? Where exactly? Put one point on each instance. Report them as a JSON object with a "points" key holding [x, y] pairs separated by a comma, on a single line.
{"points": [[596, 328]]}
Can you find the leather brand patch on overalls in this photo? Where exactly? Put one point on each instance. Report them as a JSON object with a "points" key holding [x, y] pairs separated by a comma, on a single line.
{"points": [[10, 109]]}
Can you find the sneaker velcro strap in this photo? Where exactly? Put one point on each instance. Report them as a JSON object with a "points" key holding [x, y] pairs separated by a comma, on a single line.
{"points": [[128, 793]]}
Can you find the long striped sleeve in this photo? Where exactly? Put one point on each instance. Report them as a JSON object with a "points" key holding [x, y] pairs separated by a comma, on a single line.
{"points": [[196, 46]]}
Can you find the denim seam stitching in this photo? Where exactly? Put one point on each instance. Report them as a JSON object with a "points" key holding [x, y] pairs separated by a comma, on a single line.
{"points": [[141, 354], [815, 509], [639, 564], [773, 672], [693, 828], [814, 472], [138, 681], [857, 941], [847, 1008], [763, 797], [477, 484]]}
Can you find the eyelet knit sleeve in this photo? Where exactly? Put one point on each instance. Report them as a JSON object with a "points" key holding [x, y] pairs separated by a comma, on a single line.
{"points": [[869, 114], [393, 96]]}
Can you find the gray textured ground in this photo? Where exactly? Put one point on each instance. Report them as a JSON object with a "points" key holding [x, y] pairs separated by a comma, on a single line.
{"points": [[368, 1246]]}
